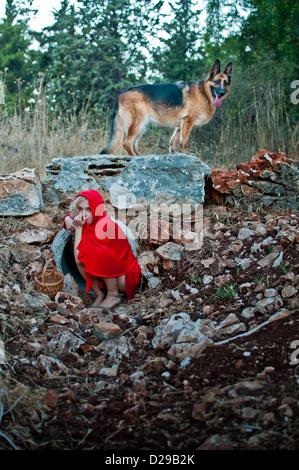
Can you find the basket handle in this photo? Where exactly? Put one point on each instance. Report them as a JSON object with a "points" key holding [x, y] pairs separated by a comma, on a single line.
{"points": [[48, 263]]}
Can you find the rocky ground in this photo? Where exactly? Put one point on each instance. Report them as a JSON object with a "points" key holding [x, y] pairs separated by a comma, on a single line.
{"points": [[205, 356]]}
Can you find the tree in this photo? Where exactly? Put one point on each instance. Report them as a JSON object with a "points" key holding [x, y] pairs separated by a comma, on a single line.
{"points": [[97, 51], [64, 58], [13, 49], [271, 28], [180, 55], [117, 34], [253, 30]]}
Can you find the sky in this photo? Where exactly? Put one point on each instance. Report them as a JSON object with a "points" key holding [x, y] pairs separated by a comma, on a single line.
{"points": [[45, 8], [44, 17]]}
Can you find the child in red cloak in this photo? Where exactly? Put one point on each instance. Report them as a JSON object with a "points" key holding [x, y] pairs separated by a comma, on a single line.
{"points": [[102, 252]]}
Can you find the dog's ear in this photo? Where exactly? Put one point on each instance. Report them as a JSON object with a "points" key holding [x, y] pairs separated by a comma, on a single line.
{"points": [[228, 70], [215, 69]]}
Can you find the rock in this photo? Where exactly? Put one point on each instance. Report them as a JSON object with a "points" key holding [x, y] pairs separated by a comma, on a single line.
{"points": [[28, 254], [267, 305], [121, 197], [168, 265], [70, 286], [167, 331], [160, 232], [21, 193], [270, 293], [50, 367], [35, 236], [67, 177], [278, 260], [180, 351], [287, 410], [152, 281], [248, 313], [64, 342], [207, 279], [108, 371], [50, 398], [208, 262], [233, 329], [248, 412], [245, 233], [290, 278], [288, 291], [267, 179], [72, 303], [248, 388], [29, 304], [268, 260], [191, 290], [260, 230], [182, 336], [229, 320], [58, 320], [32, 346], [40, 220], [230, 326], [115, 349], [216, 442], [223, 280], [170, 251], [105, 331]]}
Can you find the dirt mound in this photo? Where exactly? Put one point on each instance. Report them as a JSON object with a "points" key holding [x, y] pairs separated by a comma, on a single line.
{"points": [[64, 387]]}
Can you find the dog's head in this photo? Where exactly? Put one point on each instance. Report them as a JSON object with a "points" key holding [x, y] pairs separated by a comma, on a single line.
{"points": [[219, 82]]}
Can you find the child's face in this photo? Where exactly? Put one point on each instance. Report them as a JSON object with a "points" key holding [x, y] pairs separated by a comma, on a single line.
{"points": [[84, 210]]}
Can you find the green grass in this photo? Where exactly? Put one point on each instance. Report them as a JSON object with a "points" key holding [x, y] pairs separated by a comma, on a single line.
{"points": [[228, 291]]}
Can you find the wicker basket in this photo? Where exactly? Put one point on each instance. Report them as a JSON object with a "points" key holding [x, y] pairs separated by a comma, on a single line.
{"points": [[49, 281]]}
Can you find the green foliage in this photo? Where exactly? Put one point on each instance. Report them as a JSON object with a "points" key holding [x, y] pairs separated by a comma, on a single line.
{"points": [[228, 291], [13, 48], [194, 279], [271, 28], [96, 52], [179, 54], [93, 52]]}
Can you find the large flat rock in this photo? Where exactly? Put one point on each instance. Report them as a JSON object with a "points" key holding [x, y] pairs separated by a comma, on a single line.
{"points": [[21, 193], [150, 178]]}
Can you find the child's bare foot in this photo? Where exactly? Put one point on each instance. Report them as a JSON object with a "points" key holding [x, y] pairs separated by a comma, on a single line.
{"points": [[111, 300], [99, 300]]}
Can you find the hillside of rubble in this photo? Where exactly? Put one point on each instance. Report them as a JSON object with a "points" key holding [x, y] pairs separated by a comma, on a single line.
{"points": [[204, 357]]}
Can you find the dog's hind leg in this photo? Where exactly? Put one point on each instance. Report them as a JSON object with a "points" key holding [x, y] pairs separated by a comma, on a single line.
{"points": [[130, 139], [174, 140], [135, 131], [142, 129]]}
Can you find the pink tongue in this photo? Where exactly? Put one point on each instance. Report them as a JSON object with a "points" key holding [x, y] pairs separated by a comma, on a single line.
{"points": [[217, 102]]}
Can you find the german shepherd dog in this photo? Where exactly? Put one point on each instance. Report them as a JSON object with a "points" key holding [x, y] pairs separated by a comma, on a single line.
{"points": [[182, 105]]}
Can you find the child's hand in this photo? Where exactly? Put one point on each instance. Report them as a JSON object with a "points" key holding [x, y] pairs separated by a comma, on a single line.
{"points": [[79, 220], [69, 224]]}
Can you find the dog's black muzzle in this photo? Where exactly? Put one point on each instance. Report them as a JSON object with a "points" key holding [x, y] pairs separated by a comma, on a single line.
{"points": [[218, 92]]}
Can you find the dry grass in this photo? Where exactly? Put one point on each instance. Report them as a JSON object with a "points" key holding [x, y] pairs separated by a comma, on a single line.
{"points": [[264, 124], [19, 405], [34, 136]]}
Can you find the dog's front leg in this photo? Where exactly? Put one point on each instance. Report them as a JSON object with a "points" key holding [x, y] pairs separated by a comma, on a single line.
{"points": [[174, 140], [186, 126]]}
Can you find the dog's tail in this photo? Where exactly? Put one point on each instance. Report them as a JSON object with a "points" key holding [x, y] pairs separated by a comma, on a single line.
{"points": [[117, 132]]}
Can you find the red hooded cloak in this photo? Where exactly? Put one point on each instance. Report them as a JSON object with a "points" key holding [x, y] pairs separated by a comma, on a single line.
{"points": [[104, 248]]}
